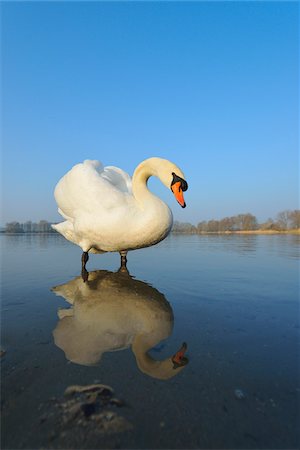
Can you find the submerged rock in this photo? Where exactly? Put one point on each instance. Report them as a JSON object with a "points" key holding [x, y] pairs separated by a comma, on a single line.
{"points": [[87, 409], [239, 394], [101, 389], [109, 422]]}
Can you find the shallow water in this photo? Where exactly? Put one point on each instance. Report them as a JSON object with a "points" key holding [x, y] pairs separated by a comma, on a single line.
{"points": [[232, 299]]}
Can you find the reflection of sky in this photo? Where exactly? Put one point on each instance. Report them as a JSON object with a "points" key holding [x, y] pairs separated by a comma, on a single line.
{"points": [[200, 83], [235, 303]]}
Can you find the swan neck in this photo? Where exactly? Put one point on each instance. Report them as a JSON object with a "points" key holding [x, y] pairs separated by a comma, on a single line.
{"points": [[161, 370], [140, 178]]}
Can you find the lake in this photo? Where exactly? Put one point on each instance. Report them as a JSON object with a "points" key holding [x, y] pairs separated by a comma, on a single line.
{"points": [[232, 299]]}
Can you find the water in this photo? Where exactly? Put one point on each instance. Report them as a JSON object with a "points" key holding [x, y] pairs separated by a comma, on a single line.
{"points": [[232, 299]]}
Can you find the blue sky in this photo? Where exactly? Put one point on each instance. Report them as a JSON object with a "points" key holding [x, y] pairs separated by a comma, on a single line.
{"points": [[212, 86]]}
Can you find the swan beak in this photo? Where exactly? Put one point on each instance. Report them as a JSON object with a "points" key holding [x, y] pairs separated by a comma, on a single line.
{"points": [[178, 192], [179, 359]]}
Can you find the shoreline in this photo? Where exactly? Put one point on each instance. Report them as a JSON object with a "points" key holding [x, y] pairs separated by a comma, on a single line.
{"points": [[266, 232]]}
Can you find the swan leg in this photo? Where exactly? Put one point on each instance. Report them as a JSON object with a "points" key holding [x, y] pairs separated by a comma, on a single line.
{"points": [[123, 254], [84, 260]]}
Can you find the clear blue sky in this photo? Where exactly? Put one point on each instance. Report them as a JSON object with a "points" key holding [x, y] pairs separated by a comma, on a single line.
{"points": [[212, 86]]}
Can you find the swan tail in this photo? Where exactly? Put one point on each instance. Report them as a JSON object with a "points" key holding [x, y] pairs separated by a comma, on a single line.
{"points": [[66, 229]]}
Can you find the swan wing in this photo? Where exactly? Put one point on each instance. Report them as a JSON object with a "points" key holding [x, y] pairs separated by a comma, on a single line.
{"points": [[118, 178], [90, 188]]}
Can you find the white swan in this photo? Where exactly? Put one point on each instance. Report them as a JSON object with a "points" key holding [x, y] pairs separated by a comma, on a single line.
{"points": [[111, 312], [105, 210]]}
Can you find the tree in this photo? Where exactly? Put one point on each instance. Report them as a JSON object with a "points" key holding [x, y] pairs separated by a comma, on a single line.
{"points": [[268, 225], [186, 227], [245, 222], [226, 224], [249, 222], [202, 227], [294, 218], [213, 226], [283, 220]]}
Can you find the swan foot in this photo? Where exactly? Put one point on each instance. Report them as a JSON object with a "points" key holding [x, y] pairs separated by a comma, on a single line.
{"points": [[123, 270], [84, 272], [123, 258]]}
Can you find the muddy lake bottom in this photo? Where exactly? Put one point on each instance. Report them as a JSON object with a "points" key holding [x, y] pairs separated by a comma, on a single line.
{"points": [[88, 365]]}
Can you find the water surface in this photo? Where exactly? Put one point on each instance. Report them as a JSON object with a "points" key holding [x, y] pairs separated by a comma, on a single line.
{"points": [[232, 299]]}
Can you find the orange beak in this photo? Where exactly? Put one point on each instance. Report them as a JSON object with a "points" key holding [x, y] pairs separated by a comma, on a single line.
{"points": [[177, 191]]}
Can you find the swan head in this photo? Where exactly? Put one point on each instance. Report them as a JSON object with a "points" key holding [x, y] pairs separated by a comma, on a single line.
{"points": [[168, 173], [159, 369], [178, 186], [179, 359], [173, 178]]}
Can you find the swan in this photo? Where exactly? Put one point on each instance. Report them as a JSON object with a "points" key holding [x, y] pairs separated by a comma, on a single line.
{"points": [[111, 312], [105, 210]]}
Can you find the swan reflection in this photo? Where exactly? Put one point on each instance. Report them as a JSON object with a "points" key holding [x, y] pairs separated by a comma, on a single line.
{"points": [[113, 311]]}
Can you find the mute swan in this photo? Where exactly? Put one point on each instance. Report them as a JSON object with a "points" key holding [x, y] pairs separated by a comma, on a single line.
{"points": [[111, 312], [105, 210]]}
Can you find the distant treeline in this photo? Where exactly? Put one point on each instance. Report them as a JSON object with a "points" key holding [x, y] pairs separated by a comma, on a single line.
{"points": [[285, 220]]}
